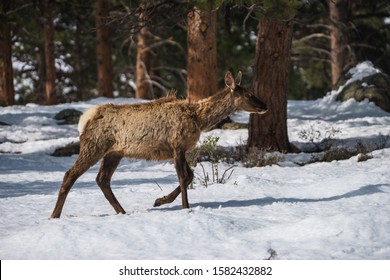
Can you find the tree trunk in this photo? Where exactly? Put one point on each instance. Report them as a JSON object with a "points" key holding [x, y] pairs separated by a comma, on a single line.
{"points": [[7, 95], [342, 55], [143, 83], [78, 78], [202, 54], [103, 50], [50, 81], [270, 80], [40, 58]]}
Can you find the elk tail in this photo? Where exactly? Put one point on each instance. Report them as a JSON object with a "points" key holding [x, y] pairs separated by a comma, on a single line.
{"points": [[89, 114]]}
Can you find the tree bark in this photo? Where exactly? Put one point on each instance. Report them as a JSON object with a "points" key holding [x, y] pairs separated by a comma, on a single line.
{"points": [[103, 50], [270, 80], [78, 78], [342, 55], [40, 58], [7, 95], [143, 65], [50, 81], [202, 54]]}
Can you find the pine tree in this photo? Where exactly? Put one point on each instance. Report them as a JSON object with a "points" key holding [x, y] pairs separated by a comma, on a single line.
{"points": [[342, 55], [48, 27], [103, 50], [202, 53], [270, 80], [7, 96]]}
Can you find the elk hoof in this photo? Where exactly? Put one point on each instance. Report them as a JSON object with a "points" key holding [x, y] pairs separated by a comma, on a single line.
{"points": [[157, 203]]}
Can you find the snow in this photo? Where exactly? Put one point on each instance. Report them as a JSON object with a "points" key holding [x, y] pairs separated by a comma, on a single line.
{"points": [[357, 73], [324, 210]]}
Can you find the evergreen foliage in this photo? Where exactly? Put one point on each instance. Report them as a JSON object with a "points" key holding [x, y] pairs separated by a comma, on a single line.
{"points": [[75, 45]]}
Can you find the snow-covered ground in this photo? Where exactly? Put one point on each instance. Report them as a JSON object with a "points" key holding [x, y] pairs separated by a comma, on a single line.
{"points": [[323, 210]]}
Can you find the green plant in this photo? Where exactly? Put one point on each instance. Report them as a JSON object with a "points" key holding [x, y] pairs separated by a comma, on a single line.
{"points": [[208, 151], [216, 178]]}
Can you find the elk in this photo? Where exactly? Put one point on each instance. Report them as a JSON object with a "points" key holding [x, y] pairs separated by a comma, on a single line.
{"points": [[159, 130]]}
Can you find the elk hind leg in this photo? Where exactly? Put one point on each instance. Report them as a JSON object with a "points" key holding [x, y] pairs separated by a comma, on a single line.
{"points": [[167, 198], [84, 161], [107, 168]]}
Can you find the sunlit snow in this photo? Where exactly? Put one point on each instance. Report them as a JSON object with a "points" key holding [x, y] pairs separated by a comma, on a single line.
{"points": [[335, 210]]}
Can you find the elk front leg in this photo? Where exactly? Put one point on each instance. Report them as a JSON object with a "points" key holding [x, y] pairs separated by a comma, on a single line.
{"points": [[185, 175]]}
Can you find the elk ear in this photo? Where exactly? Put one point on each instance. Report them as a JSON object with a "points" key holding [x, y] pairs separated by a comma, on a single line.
{"points": [[229, 81], [238, 78]]}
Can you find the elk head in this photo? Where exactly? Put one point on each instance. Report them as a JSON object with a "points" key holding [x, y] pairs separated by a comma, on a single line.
{"points": [[244, 99]]}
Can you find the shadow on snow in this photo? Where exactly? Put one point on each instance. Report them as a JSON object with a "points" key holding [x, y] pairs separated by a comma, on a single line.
{"points": [[366, 190]]}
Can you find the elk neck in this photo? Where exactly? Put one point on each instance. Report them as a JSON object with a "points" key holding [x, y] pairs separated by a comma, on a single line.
{"points": [[214, 109]]}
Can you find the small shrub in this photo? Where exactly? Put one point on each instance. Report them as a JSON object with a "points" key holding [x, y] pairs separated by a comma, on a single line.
{"points": [[363, 151], [205, 179], [383, 142], [320, 140], [333, 154], [208, 151]]}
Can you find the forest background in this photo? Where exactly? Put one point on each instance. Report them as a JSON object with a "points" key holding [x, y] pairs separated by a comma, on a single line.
{"points": [[54, 51], [366, 29]]}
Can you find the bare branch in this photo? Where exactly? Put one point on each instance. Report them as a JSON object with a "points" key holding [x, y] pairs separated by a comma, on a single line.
{"points": [[295, 57], [318, 50], [182, 73], [14, 11], [250, 11], [163, 42], [312, 36], [224, 173], [158, 185], [319, 25], [151, 14]]}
